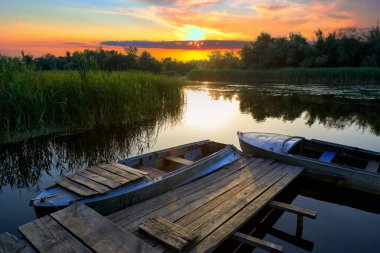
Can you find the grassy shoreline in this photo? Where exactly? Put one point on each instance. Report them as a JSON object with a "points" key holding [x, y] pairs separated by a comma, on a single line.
{"points": [[34, 103], [299, 76]]}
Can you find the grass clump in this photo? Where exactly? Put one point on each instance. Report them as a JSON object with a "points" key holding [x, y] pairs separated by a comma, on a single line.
{"points": [[37, 102], [299, 76]]}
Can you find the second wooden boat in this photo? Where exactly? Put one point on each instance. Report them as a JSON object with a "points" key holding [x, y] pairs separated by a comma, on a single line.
{"points": [[351, 166], [110, 187]]}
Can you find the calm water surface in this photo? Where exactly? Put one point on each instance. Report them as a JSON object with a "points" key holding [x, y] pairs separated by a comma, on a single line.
{"points": [[349, 116]]}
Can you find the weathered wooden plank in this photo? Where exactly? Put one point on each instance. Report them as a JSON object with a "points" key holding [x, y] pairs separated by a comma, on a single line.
{"points": [[46, 235], [153, 172], [169, 197], [97, 232], [179, 160], [109, 175], [213, 197], [210, 221], [75, 187], [372, 166], [88, 183], [11, 244], [128, 169], [256, 242], [203, 193], [228, 227], [102, 180], [175, 237], [200, 215], [293, 209], [119, 172]]}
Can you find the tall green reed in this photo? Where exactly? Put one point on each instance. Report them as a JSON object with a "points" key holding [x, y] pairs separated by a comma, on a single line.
{"points": [[34, 102]]}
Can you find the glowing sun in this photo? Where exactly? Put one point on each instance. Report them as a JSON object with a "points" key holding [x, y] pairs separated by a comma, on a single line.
{"points": [[194, 33]]}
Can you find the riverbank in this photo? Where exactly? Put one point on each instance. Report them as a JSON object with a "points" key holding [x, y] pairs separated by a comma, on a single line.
{"points": [[36, 103], [299, 76]]}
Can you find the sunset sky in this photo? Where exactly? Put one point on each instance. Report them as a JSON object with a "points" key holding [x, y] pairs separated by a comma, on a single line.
{"points": [[76, 23]]}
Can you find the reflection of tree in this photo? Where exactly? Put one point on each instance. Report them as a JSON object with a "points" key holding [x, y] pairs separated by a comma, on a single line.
{"points": [[329, 110], [21, 164]]}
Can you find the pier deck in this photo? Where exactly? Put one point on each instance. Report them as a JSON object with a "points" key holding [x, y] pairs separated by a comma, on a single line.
{"points": [[206, 211], [215, 206]]}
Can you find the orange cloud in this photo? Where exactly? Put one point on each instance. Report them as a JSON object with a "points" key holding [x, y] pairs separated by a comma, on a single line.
{"points": [[173, 19], [276, 17]]}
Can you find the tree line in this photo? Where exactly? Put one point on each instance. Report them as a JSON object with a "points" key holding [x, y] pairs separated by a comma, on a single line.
{"points": [[342, 48], [100, 59]]}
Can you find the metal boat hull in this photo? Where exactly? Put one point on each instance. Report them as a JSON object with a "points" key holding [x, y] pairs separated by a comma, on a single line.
{"points": [[343, 175]]}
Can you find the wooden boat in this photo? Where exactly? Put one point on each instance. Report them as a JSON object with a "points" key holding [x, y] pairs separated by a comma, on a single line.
{"points": [[351, 166], [110, 187]]}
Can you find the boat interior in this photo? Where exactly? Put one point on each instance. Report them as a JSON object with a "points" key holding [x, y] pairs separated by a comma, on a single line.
{"points": [[337, 154], [161, 163]]}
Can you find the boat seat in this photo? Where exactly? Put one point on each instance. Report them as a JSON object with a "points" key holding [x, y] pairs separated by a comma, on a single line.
{"points": [[327, 156], [179, 160], [372, 166]]}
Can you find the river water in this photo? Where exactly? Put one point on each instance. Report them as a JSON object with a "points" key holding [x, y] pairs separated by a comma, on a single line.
{"points": [[347, 221]]}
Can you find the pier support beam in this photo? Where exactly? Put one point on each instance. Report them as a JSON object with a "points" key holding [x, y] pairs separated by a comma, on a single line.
{"points": [[256, 242], [301, 212]]}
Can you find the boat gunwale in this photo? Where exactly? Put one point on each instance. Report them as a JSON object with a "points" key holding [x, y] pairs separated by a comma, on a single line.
{"points": [[157, 152]]}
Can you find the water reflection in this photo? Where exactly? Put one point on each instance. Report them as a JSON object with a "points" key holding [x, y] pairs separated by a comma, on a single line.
{"points": [[216, 113], [22, 164], [330, 110]]}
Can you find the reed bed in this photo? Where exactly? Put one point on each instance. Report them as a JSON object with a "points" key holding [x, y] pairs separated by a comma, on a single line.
{"points": [[299, 76], [36, 103]]}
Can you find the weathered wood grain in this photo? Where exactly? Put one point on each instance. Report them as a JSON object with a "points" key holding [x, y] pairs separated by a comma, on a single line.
{"points": [[207, 223], [200, 215], [293, 209], [109, 175], [153, 172], [88, 183], [151, 205], [11, 244], [179, 160], [46, 235], [119, 172], [102, 180], [202, 193], [97, 232], [170, 234], [256, 242], [209, 243], [207, 199], [76, 188], [128, 169]]}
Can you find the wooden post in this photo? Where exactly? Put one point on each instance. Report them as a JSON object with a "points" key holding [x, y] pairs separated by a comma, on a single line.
{"points": [[299, 229]]}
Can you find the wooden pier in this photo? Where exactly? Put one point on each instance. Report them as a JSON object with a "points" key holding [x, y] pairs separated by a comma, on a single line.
{"points": [[196, 217]]}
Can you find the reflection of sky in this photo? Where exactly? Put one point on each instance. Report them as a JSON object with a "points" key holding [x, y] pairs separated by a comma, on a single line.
{"points": [[219, 119]]}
